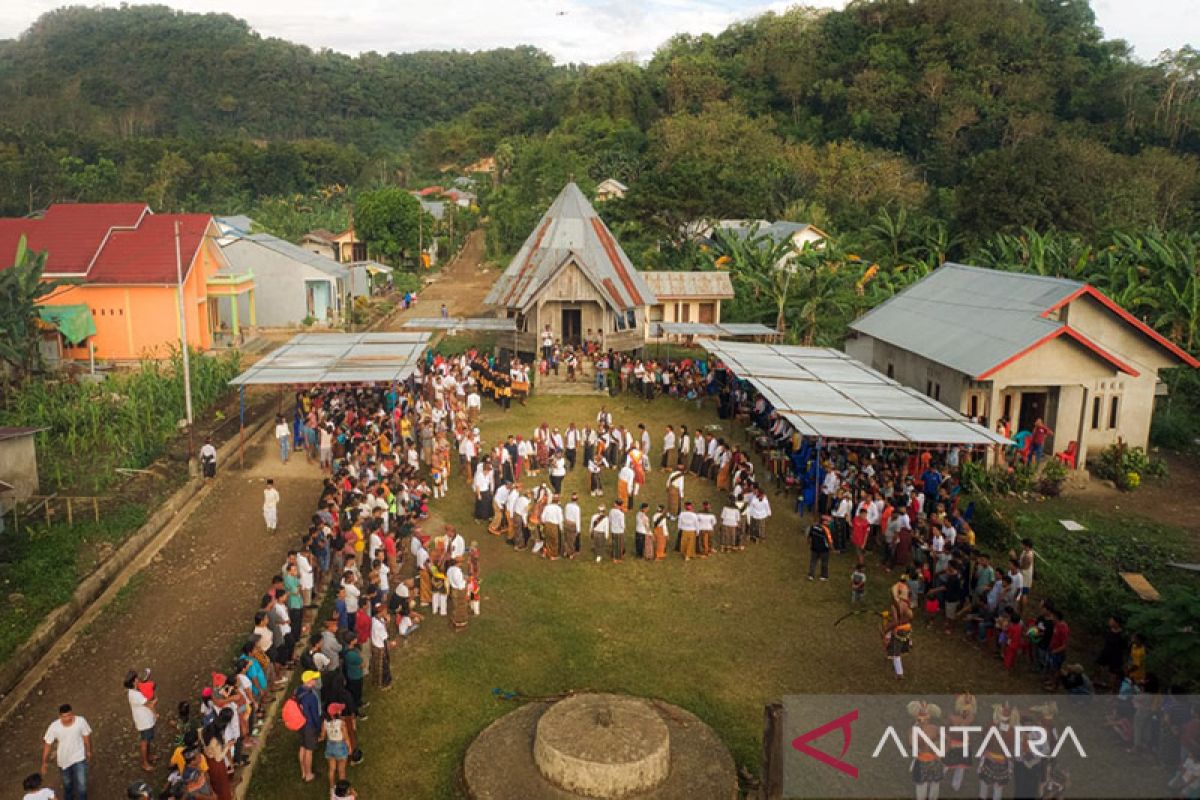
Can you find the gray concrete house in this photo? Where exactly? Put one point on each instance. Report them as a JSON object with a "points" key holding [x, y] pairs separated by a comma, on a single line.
{"points": [[995, 344], [571, 275], [291, 283]]}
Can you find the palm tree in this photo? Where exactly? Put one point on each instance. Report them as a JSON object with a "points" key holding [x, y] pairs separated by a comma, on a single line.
{"points": [[21, 288]]}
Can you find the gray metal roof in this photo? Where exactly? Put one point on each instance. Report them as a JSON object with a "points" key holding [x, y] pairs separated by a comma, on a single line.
{"points": [[339, 358], [571, 230], [238, 224], [968, 318], [434, 208], [711, 329], [462, 323], [682, 283], [824, 392], [243, 254]]}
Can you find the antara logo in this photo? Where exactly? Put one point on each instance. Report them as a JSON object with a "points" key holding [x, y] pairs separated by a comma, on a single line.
{"points": [[1027, 740], [843, 724]]}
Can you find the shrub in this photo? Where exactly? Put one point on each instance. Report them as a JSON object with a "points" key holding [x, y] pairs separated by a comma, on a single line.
{"points": [[407, 282], [1126, 466], [1171, 632], [1052, 478]]}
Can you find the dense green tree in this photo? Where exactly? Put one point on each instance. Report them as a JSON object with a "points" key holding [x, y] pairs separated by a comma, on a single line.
{"points": [[388, 221], [21, 289]]}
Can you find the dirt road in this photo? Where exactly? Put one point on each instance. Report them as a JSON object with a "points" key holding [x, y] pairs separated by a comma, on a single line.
{"points": [[182, 616], [461, 285]]}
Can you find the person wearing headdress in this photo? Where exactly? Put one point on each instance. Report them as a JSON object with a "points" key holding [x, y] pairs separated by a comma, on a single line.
{"points": [[897, 634], [958, 757], [598, 528], [927, 768], [995, 766]]}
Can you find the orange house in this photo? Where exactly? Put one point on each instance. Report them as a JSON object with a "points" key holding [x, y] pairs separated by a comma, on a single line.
{"points": [[121, 261]]}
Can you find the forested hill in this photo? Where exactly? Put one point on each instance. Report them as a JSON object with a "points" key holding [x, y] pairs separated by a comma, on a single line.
{"points": [[982, 115], [151, 71]]}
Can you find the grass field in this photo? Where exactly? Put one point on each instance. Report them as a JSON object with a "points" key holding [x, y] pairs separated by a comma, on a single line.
{"points": [[720, 637]]}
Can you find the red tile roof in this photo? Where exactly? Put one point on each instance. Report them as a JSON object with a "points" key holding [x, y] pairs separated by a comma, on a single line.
{"points": [[107, 242]]}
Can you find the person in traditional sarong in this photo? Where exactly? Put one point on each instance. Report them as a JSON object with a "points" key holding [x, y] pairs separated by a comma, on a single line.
{"points": [[456, 582], [644, 543], [661, 533], [598, 528], [616, 530], [625, 479], [499, 522], [552, 519], [699, 450], [636, 460], [675, 487], [668, 455], [730, 517], [707, 522], [483, 485], [572, 516], [897, 634], [440, 596], [724, 469], [519, 514], [595, 468], [426, 580], [689, 525], [541, 496], [959, 757], [995, 766], [927, 768]]}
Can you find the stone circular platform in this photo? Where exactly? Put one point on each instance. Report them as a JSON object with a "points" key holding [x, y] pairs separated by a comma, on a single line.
{"points": [[599, 746]]}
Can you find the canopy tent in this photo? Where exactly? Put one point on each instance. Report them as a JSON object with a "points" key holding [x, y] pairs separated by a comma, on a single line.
{"points": [[825, 393], [713, 329], [339, 358], [74, 322], [462, 324]]}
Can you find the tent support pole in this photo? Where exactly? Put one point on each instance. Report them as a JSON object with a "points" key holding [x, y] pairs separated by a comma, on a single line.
{"points": [[242, 426]]}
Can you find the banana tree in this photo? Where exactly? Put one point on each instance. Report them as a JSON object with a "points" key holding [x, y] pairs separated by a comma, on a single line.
{"points": [[21, 287], [763, 272], [1180, 316]]}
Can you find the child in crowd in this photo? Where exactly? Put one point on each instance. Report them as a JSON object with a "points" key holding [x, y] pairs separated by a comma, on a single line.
{"points": [[858, 583]]}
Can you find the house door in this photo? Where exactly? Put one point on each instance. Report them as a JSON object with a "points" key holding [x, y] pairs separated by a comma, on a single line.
{"points": [[706, 313], [318, 299], [572, 325], [1033, 408]]}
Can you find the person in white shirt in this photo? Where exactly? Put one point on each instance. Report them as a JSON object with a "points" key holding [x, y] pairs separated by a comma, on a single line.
{"points": [[304, 566], [616, 529], [208, 459], [644, 533], [351, 593], [625, 484], [552, 520], [271, 506], [572, 516], [571, 445], [456, 585], [558, 471], [458, 545], [283, 436], [689, 525], [499, 521], [841, 520], [483, 484], [675, 487], [730, 517], [668, 457], [598, 528], [73, 736], [381, 645], [145, 717], [706, 522], [520, 518], [829, 489], [466, 455], [758, 511]]}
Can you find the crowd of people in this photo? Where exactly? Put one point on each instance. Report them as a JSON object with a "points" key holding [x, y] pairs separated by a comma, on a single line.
{"points": [[518, 487], [387, 452]]}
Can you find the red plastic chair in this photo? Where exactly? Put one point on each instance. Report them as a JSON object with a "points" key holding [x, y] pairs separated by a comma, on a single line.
{"points": [[1068, 456]]}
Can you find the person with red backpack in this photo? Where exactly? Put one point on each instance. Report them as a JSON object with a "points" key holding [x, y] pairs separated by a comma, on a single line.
{"points": [[302, 713]]}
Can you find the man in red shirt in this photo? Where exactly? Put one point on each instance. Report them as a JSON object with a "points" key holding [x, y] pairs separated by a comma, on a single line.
{"points": [[1060, 636], [1040, 433]]}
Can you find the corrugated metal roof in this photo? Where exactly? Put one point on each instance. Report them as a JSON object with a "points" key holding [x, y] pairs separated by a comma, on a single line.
{"points": [[968, 318], [244, 254], [675, 284], [18, 432], [571, 230], [339, 358], [824, 392], [462, 323]]}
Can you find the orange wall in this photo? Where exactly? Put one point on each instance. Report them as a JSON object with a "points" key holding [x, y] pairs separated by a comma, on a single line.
{"points": [[137, 321]]}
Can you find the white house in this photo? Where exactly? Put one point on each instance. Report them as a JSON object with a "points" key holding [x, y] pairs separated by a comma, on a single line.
{"points": [[610, 188], [292, 284]]}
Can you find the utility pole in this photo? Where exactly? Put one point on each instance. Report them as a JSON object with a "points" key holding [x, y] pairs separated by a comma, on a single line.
{"points": [[183, 343], [420, 235]]}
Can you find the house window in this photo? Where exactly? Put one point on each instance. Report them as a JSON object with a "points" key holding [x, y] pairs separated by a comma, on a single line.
{"points": [[1008, 406], [631, 318], [683, 312], [656, 313], [937, 391], [929, 388], [1114, 411], [973, 406], [1097, 409], [891, 370]]}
